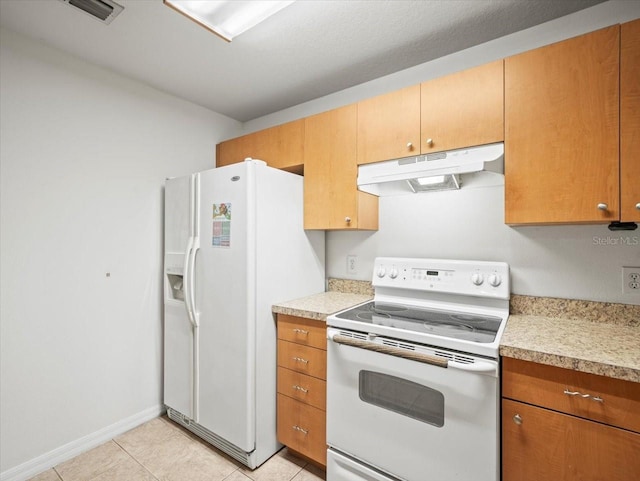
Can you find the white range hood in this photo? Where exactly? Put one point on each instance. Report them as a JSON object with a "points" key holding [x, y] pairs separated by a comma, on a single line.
{"points": [[437, 171]]}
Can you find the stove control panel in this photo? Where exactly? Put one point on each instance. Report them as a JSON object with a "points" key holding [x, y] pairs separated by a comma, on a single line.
{"points": [[474, 278]]}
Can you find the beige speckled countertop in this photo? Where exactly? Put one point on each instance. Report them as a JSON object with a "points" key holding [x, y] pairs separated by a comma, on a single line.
{"points": [[320, 306], [593, 337], [596, 347]]}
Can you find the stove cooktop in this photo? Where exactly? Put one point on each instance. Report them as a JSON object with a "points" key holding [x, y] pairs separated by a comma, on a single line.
{"points": [[451, 324]]}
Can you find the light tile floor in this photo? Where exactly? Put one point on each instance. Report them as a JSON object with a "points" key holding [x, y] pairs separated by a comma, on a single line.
{"points": [[160, 450]]}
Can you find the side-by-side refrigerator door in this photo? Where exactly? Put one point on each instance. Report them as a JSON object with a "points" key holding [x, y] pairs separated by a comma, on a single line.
{"points": [[225, 297], [178, 332]]}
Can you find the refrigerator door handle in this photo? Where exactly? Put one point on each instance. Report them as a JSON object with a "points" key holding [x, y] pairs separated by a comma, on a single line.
{"points": [[187, 284], [195, 247]]}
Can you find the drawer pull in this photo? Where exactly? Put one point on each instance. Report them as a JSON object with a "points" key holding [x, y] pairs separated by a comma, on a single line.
{"points": [[517, 419], [585, 396], [300, 331], [300, 388], [299, 429], [299, 359]]}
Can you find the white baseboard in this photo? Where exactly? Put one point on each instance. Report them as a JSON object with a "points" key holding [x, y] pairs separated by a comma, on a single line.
{"points": [[37, 465]]}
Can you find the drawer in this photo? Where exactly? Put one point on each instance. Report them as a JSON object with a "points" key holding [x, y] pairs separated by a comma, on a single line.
{"points": [[303, 331], [309, 390], [304, 359], [302, 428], [617, 403]]}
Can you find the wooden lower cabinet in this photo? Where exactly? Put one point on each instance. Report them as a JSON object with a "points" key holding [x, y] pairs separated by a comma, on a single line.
{"points": [[302, 387], [548, 445], [563, 425]]}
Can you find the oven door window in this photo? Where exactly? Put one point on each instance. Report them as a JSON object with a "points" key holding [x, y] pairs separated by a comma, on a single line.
{"points": [[402, 396]]}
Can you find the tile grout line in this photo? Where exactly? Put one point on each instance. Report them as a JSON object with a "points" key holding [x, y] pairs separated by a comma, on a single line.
{"points": [[134, 458]]}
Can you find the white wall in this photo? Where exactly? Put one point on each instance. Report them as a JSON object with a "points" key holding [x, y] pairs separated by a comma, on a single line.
{"points": [[580, 262], [84, 154], [576, 262]]}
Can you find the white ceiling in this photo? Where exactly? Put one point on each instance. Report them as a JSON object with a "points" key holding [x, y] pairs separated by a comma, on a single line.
{"points": [[308, 50]]}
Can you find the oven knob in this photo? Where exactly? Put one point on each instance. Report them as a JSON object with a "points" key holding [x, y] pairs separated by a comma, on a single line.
{"points": [[477, 278], [494, 280], [394, 273], [381, 271]]}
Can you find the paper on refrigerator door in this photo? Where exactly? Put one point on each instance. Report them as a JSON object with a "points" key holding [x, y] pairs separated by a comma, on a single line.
{"points": [[221, 225]]}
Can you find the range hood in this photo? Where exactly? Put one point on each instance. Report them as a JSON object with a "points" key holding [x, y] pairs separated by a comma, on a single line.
{"points": [[437, 171]]}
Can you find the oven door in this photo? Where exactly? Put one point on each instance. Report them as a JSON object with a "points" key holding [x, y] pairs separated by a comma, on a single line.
{"points": [[414, 420]]}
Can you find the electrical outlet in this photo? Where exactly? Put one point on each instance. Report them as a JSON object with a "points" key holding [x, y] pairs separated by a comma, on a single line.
{"points": [[631, 280], [352, 264]]}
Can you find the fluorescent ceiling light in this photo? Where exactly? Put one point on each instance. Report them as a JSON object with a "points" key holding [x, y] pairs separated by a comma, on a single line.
{"points": [[227, 18]]}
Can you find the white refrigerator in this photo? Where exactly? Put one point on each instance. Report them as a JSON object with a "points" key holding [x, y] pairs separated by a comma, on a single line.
{"points": [[234, 245]]}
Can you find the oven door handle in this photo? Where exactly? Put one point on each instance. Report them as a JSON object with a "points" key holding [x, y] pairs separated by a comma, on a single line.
{"points": [[391, 351]]}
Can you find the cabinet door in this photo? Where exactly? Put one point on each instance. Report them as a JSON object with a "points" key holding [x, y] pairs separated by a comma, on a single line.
{"points": [[463, 109], [389, 126], [545, 445], [561, 132], [630, 121], [331, 196], [280, 147]]}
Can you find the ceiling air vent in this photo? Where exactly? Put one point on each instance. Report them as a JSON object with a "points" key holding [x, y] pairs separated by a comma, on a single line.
{"points": [[103, 10]]}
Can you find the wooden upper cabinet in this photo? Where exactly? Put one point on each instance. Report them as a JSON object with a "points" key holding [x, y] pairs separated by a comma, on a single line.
{"points": [[463, 109], [389, 126], [630, 122], [561, 132], [281, 147], [331, 197]]}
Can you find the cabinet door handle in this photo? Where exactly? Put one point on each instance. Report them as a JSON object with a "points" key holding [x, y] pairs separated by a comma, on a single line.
{"points": [[638, 206], [300, 331], [584, 396], [409, 145], [603, 206], [299, 359], [429, 142], [347, 220], [300, 388], [517, 419], [299, 429]]}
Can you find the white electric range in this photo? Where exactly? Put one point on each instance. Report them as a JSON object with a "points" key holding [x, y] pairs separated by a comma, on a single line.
{"points": [[413, 376]]}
